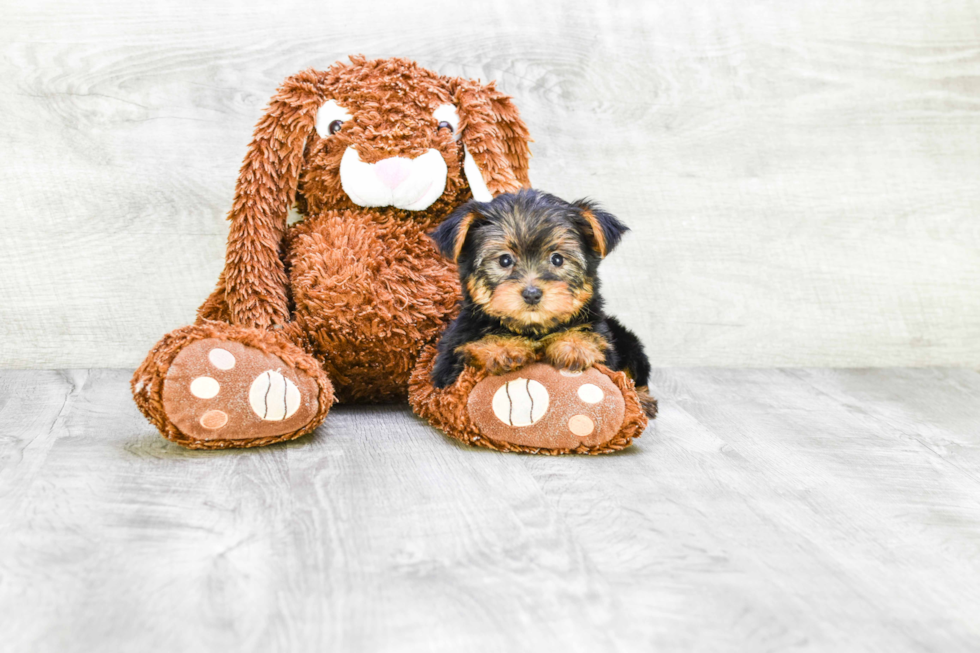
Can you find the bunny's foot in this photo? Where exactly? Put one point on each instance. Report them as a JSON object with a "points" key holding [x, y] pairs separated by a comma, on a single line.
{"points": [[536, 409], [214, 385]]}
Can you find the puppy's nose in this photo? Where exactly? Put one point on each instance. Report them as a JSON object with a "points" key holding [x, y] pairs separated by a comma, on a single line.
{"points": [[531, 295], [393, 171]]}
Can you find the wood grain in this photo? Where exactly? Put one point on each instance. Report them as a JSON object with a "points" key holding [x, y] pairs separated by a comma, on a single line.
{"points": [[800, 179], [764, 510]]}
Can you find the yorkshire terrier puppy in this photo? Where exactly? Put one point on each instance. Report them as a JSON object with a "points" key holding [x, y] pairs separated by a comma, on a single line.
{"points": [[528, 265]]}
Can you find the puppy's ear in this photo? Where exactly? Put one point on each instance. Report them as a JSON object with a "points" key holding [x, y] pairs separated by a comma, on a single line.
{"points": [[450, 236], [495, 139], [254, 278], [601, 229]]}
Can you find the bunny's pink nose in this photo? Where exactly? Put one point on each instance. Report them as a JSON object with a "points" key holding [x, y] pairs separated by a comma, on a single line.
{"points": [[393, 171]]}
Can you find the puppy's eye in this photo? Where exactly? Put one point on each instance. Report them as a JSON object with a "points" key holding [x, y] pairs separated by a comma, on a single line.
{"points": [[446, 125], [335, 126], [557, 260], [506, 260]]}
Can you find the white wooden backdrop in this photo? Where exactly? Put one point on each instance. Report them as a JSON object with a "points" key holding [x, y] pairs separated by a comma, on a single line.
{"points": [[801, 178]]}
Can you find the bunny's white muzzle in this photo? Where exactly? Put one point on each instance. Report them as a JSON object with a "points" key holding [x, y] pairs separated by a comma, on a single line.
{"points": [[410, 184]]}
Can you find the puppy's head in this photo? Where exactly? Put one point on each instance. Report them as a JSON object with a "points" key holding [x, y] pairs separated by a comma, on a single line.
{"points": [[529, 258]]}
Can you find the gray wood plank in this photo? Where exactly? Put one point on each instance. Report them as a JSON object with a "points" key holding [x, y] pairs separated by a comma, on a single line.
{"points": [[800, 178], [376, 534], [935, 408], [763, 514], [822, 524], [764, 510]]}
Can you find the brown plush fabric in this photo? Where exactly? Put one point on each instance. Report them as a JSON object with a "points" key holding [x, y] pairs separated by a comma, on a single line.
{"points": [[364, 289], [150, 378], [219, 388], [368, 296], [349, 296], [289, 162], [539, 407], [618, 419]]}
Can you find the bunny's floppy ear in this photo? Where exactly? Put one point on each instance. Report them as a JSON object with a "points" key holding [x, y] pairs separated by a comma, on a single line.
{"points": [[494, 137], [450, 235], [254, 276], [601, 229]]}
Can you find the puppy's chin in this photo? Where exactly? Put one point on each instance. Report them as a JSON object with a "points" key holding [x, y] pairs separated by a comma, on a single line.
{"points": [[558, 305]]}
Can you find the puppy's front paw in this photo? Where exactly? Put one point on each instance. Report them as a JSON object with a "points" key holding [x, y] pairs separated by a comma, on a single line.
{"points": [[575, 350], [497, 354]]}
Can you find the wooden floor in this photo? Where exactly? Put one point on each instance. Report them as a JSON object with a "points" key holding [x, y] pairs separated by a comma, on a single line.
{"points": [[766, 510]]}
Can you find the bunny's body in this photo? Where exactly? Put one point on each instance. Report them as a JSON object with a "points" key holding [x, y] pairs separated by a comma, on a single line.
{"points": [[368, 323], [345, 303], [368, 291]]}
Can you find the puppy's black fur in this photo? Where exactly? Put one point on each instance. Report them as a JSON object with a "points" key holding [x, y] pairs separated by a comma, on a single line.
{"points": [[527, 229]]}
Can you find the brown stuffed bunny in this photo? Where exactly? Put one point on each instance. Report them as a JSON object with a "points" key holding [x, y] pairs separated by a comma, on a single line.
{"points": [[347, 303]]}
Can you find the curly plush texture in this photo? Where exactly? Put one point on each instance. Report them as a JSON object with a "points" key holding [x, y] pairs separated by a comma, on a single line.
{"points": [[287, 162], [446, 409], [350, 295], [147, 382], [368, 296]]}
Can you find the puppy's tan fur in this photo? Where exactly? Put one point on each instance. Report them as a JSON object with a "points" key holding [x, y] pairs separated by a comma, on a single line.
{"points": [[576, 349], [499, 354]]}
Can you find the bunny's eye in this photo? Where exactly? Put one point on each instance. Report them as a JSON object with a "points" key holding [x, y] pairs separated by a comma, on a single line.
{"points": [[330, 118], [447, 118]]}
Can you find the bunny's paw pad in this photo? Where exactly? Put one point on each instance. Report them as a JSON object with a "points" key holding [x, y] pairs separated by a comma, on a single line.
{"points": [[224, 390], [539, 406]]}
